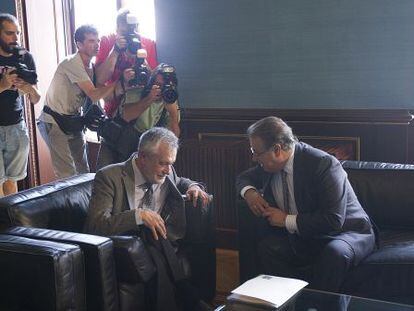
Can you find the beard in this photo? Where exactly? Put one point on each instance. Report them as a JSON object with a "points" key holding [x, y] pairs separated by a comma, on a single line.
{"points": [[7, 47]]}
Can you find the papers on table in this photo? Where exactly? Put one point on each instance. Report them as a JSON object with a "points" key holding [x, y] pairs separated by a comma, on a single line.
{"points": [[267, 291]]}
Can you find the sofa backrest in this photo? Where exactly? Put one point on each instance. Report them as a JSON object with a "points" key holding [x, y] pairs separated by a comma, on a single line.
{"points": [[59, 205], [385, 191]]}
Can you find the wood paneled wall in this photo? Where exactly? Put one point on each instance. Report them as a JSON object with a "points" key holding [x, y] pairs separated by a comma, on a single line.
{"points": [[214, 148]]}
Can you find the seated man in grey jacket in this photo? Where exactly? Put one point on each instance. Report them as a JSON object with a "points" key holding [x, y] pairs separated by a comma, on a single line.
{"points": [[143, 196]]}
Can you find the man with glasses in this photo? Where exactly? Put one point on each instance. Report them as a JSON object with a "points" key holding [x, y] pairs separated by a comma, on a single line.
{"points": [[309, 220]]}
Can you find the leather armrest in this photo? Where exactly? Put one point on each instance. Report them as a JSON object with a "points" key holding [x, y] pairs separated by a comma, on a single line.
{"points": [[199, 247], [200, 223], [100, 275], [133, 263], [40, 275]]}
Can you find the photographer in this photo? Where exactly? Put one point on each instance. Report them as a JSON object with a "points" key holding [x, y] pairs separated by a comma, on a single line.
{"points": [[60, 123], [118, 52], [143, 108], [14, 138]]}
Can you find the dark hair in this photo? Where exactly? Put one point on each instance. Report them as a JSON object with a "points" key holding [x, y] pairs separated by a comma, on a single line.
{"points": [[150, 140], [273, 130], [159, 71], [81, 31], [7, 17]]}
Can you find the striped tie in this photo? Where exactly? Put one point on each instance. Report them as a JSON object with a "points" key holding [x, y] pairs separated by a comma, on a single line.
{"points": [[148, 198]]}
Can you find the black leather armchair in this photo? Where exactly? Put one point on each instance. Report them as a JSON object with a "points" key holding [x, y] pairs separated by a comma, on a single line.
{"points": [[40, 275], [56, 212], [386, 193]]}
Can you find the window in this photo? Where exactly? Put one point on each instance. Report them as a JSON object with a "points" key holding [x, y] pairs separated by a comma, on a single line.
{"points": [[144, 11], [100, 13]]}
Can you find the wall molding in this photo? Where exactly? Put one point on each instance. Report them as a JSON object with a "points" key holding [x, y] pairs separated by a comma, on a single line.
{"points": [[351, 116]]}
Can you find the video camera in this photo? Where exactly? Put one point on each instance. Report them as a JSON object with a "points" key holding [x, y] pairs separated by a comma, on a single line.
{"points": [[169, 91], [142, 73], [22, 71]]}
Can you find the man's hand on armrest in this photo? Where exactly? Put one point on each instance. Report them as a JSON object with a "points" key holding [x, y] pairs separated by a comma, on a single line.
{"points": [[195, 193]]}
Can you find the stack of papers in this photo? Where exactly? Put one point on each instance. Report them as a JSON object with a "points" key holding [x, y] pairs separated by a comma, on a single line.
{"points": [[266, 291]]}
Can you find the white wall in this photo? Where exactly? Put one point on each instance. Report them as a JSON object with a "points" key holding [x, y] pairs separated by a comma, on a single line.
{"points": [[46, 43]]}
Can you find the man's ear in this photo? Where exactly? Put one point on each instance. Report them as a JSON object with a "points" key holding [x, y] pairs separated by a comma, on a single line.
{"points": [[277, 149]]}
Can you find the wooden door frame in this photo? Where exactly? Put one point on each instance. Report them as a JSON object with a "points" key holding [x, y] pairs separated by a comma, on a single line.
{"points": [[33, 177]]}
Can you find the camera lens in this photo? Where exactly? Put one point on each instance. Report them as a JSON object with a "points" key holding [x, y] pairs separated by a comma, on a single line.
{"points": [[133, 43], [169, 94]]}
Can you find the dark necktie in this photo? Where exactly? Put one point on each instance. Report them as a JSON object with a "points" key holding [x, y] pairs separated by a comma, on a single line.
{"points": [[148, 198], [286, 197], [285, 191]]}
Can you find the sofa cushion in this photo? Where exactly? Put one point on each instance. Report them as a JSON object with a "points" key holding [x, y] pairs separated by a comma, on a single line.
{"points": [[60, 205], [40, 275], [389, 270]]}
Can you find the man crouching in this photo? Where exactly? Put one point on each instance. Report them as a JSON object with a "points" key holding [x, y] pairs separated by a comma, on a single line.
{"points": [[143, 196]]}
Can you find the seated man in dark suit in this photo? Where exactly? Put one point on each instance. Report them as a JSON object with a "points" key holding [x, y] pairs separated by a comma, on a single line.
{"points": [[143, 196], [307, 213]]}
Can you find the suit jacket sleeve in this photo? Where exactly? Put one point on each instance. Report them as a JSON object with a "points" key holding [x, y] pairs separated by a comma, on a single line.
{"points": [[109, 213], [326, 212], [254, 176]]}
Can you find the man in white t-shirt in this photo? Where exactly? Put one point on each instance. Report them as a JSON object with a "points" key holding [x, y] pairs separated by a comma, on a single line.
{"points": [[70, 86]]}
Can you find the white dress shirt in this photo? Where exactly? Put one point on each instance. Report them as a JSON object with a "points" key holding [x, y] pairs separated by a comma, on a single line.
{"points": [[277, 190], [159, 196]]}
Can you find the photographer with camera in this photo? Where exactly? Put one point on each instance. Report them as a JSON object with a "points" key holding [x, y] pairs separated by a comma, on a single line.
{"points": [[61, 123], [155, 104], [118, 53], [17, 77]]}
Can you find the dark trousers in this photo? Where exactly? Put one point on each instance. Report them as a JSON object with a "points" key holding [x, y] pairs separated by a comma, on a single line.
{"points": [[170, 288], [322, 262]]}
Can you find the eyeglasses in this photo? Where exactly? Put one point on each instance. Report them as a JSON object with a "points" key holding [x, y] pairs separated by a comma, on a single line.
{"points": [[258, 154]]}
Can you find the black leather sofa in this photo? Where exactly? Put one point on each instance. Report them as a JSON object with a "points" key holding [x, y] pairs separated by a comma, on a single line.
{"points": [[113, 268], [386, 193], [40, 275]]}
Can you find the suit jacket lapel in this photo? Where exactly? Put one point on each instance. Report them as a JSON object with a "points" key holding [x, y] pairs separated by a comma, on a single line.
{"points": [[128, 180]]}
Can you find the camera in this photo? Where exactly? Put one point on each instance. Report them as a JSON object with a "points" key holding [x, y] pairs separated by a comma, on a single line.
{"points": [[22, 71], [169, 91], [94, 119], [119, 135], [141, 71], [131, 37]]}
